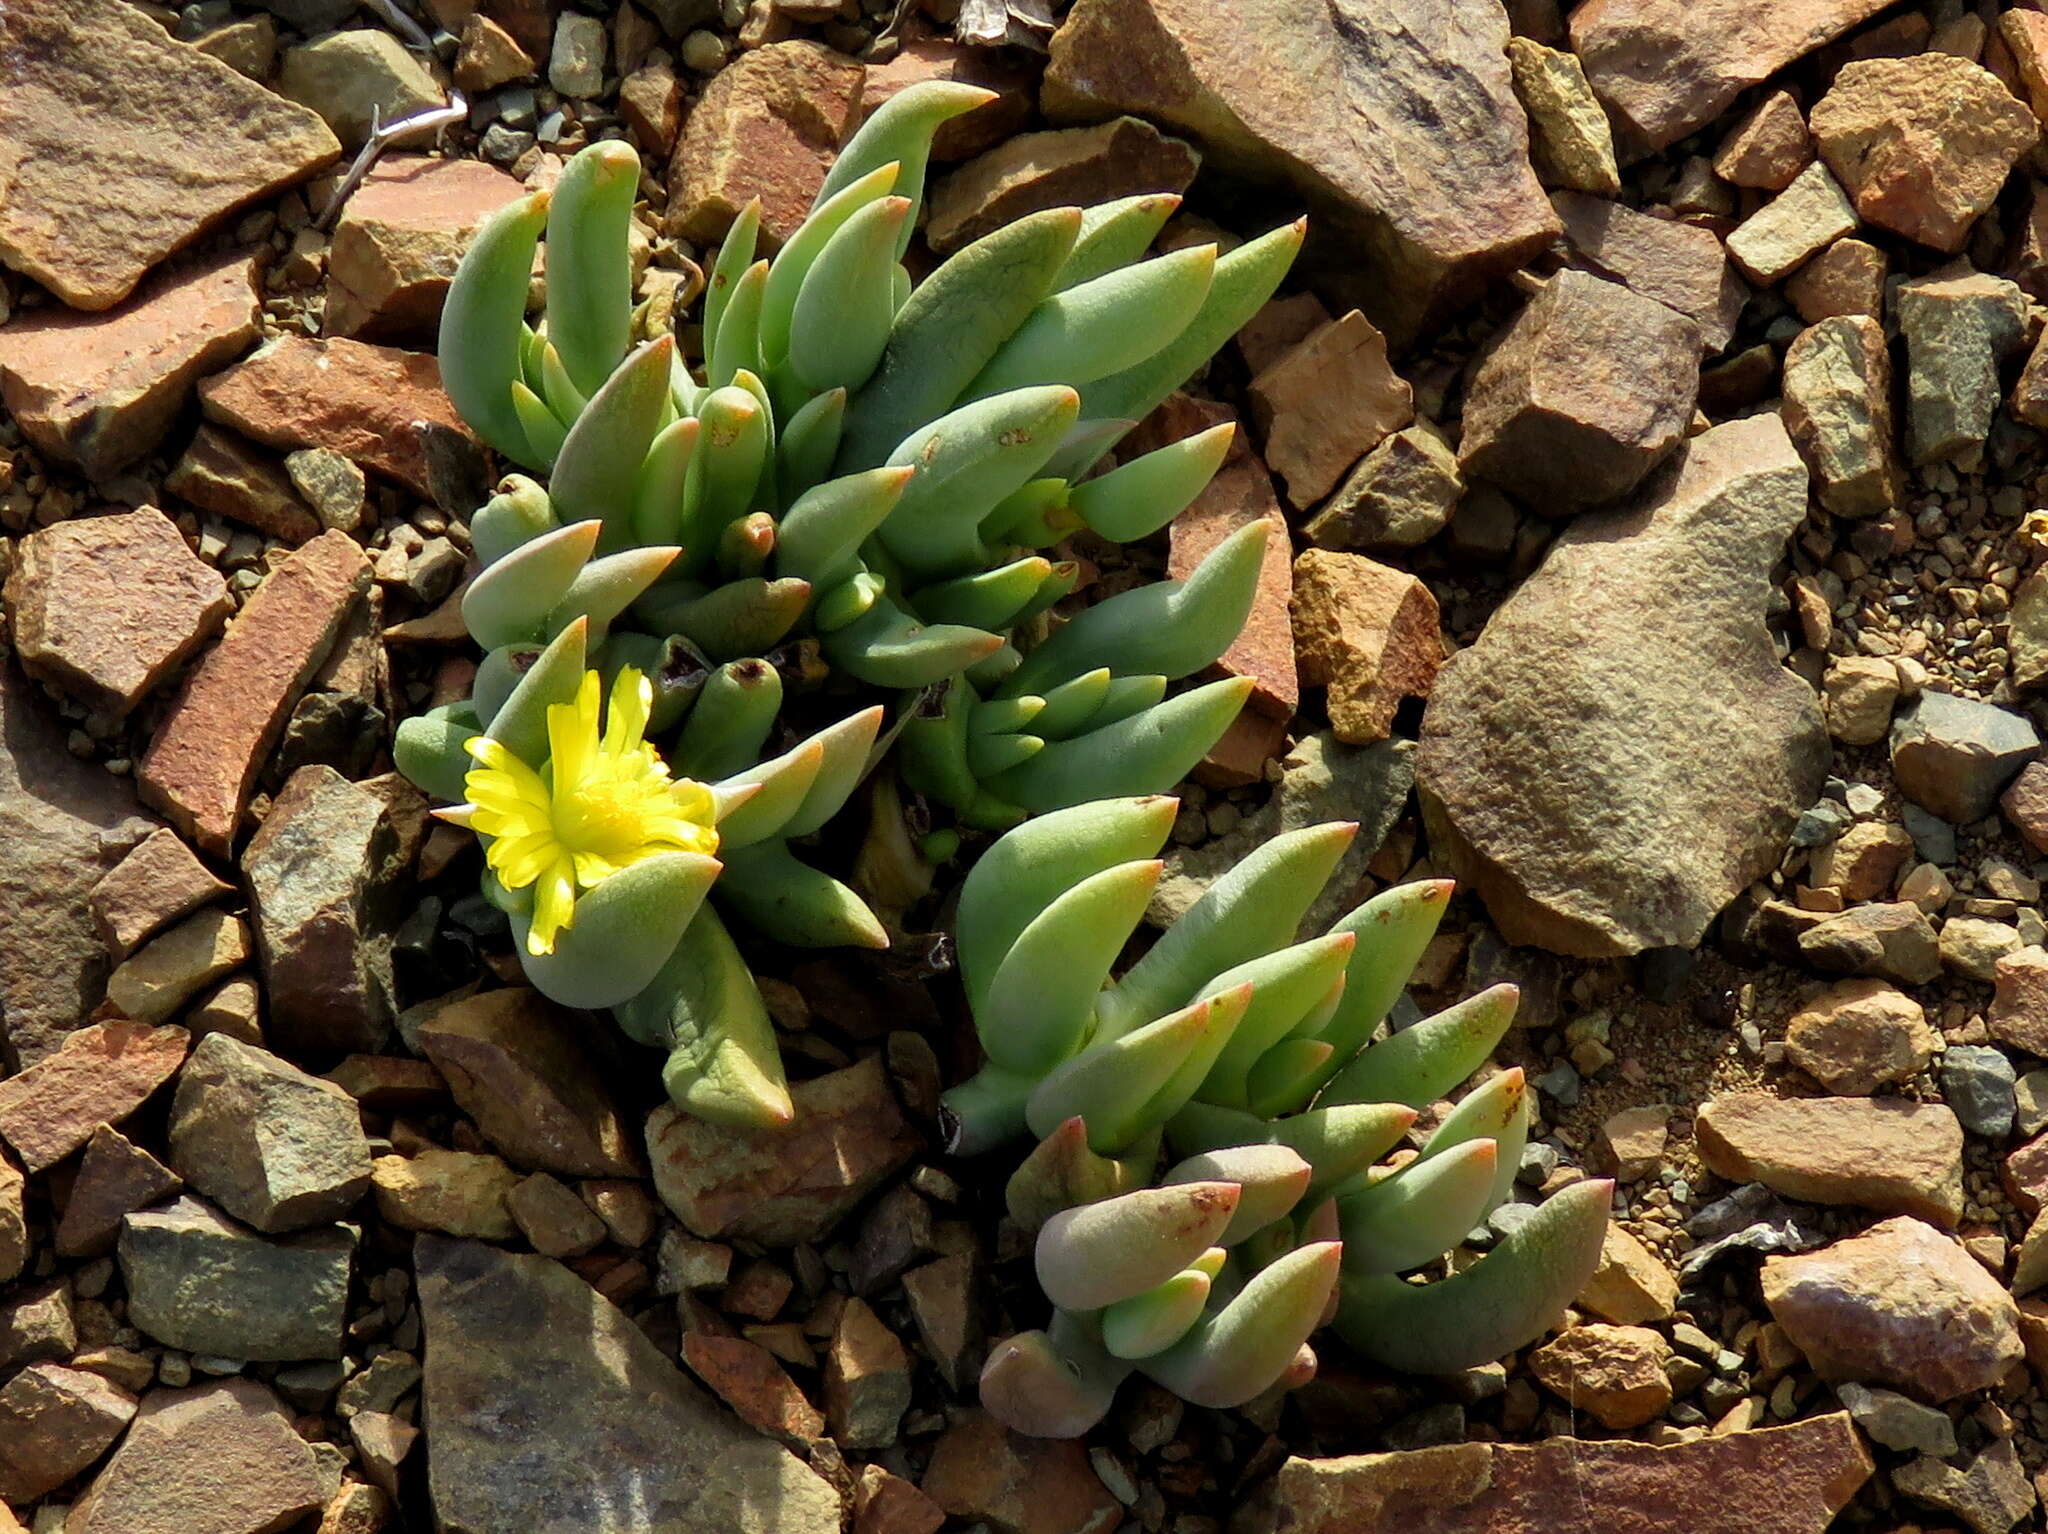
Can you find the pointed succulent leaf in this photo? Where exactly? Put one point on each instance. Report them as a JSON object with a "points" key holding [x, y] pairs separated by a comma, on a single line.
{"points": [[1418, 1213], [1251, 911], [847, 301], [847, 746], [1270, 1178], [1486, 1113], [624, 931], [1061, 1172], [431, 750], [810, 441], [1394, 927], [800, 252], [481, 320], [1420, 1064], [1154, 1321], [597, 472], [537, 420], [735, 256], [794, 903], [1502, 1302], [511, 601], [900, 132], [663, 476], [736, 618], [887, 647], [1286, 985], [1241, 1350], [988, 755], [1067, 707], [991, 599], [1118, 1086], [736, 344], [606, 587], [824, 528], [521, 722], [733, 447], [1147, 752], [783, 782], [1093, 1255], [1136, 499], [1041, 1001], [1114, 234], [519, 513], [590, 276], [730, 721]]}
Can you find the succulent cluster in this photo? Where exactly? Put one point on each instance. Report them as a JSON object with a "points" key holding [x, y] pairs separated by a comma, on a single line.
{"points": [[1252, 1057], [847, 499]]}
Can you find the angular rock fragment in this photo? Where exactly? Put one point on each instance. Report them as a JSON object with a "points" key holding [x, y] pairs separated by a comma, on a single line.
{"points": [[104, 608], [158, 882], [1632, 1285], [612, 1433], [154, 983], [867, 1379], [221, 473], [1768, 147], [120, 147], [1584, 393], [101, 390], [1402, 493], [204, 757], [1838, 407], [116, 1178], [1369, 634], [1959, 326], [232, 1437], [1954, 755], [767, 126], [1570, 142], [1901, 1305], [2019, 1001], [355, 77], [1922, 144], [1846, 278], [1052, 169], [54, 1422], [459, 1193], [1892, 940], [1796, 225], [1992, 1494], [514, 1063], [1859, 1035], [1350, 104], [1614, 1372], [1668, 67], [322, 874], [1680, 265], [1325, 401], [980, 1470], [276, 1148], [779, 1187], [374, 404], [1606, 774], [1885, 1154], [749, 1379], [1776, 1480], [399, 238], [99, 1075], [196, 1280]]}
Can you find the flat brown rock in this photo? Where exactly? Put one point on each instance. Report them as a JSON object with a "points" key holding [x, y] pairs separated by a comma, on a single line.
{"points": [[1585, 392], [1922, 145], [205, 755], [102, 1074], [233, 1438], [54, 1422], [768, 125], [118, 145], [747, 1377], [1607, 770], [115, 1178], [514, 1064], [1325, 402], [1900, 1305], [104, 608], [149, 889], [782, 1186], [1395, 119], [64, 823], [1369, 634], [1667, 67], [1680, 265], [1777, 1480], [100, 390], [398, 241], [1885, 1154], [368, 403], [1240, 493], [1065, 166], [1017, 1485], [221, 473]]}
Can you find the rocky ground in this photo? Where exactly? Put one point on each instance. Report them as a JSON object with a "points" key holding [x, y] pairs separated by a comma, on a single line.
{"points": [[1656, 421]]}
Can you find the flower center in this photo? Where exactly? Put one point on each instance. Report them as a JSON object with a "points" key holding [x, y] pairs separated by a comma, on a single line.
{"points": [[607, 817]]}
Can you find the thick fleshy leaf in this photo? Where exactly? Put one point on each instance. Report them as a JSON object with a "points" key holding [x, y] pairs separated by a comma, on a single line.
{"points": [[590, 274], [1420, 1212], [1148, 752], [794, 903], [1270, 1178], [1154, 1321], [481, 319], [1098, 1253], [1238, 1352], [623, 933], [1420, 1064], [521, 723], [511, 602], [1034, 1387]]}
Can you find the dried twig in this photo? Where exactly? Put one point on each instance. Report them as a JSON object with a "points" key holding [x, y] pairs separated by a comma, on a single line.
{"points": [[383, 135]]}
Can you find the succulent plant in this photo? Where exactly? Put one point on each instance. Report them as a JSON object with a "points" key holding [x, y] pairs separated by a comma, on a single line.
{"points": [[855, 484], [1252, 1057]]}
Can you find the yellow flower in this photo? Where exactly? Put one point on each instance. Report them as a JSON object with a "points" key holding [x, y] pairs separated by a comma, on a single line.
{"points": [[601, 803]]}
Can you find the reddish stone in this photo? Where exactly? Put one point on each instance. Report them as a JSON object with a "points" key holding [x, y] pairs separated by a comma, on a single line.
{"points": [[221, 473], [100, 390], [199, 768], [1241, 492], [2019, 1004], [1369, 634], [1778, 1480], [149, 889], [368, 403], [2025, 1176], [867, 1379], [1768, 147], [102, 1074], [1240, 756], [888, 1504], [1326, 402], [104, 608], [119, 149], [782, 1186], [768, 126], [116, 1178], [924, 57], [1667, 67], [651, 102], [1018, 1485], [749, 1380], [1680, 265], [1033, 171], [54, 1422], [399, 239]]}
